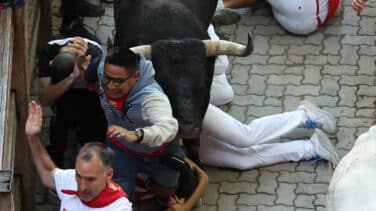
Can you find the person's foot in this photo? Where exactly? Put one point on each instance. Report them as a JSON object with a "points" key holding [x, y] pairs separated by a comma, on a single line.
{"points": [[224, 17], [323, 148], [76, 28], [318, 118], [87, 9]]}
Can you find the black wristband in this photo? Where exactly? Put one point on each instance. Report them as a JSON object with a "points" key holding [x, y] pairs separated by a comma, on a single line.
{"points": [[140, 135]]}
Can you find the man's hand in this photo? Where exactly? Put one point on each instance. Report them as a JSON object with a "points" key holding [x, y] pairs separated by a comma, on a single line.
{"points": [[34, 120], [119, 132], [76, 45], [177, 204], [358, 5], [83, 62]]}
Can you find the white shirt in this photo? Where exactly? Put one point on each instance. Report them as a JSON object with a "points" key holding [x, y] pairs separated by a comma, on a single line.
{"points": [[65, 179]]}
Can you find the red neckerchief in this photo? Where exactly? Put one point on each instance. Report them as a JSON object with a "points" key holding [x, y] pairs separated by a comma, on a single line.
{"points": [[111, 193], [119, 102]]}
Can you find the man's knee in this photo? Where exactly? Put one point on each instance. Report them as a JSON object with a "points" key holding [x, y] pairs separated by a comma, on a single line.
{"points": [[221, 91]]}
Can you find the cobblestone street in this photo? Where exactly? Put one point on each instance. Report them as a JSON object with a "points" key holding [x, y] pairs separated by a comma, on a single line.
{"points": [[334, 67]]}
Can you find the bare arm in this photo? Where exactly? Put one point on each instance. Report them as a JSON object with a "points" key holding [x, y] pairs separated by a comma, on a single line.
{"points": [[45, 166], [201, 187], [49, 92], [234, 4], [181, 204]]}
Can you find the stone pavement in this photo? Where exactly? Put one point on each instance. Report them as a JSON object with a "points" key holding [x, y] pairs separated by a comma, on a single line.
{"points": [[333, 67]]}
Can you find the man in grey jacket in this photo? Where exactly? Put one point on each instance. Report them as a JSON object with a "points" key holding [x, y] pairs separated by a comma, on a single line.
{"points": [[142, 130]]}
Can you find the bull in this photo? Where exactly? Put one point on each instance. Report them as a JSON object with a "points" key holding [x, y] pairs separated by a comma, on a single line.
{"points": [[173, 33], [353, 184]]}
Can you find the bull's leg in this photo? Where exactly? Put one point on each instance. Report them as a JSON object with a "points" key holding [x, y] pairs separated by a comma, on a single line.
{"points": [[192, 147]]}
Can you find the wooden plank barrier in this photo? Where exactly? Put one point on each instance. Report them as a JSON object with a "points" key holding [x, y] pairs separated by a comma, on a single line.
{"points": [[19, 38]]}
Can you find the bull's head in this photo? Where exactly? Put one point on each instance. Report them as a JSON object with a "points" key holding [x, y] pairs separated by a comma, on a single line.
{"points": [[184, 69]]}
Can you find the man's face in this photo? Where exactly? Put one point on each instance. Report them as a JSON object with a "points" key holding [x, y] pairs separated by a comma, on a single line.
{"points": [[117, 80], [91, 178]]}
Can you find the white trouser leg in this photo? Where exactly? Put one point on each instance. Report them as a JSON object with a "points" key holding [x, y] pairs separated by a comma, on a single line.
{"points": [[221, 91], [225, 128], [217, 153], [227, 142]]}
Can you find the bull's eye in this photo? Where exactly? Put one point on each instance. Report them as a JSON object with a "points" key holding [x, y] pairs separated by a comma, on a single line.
{"points": [[300, 7]]}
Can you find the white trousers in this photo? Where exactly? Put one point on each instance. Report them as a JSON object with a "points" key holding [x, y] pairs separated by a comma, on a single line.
{"points": [[227, 142], [299, 16], [295, 16], [221, 91]]}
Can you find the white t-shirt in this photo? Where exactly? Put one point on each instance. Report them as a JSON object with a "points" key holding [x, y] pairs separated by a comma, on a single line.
{"points": [[65, 179]]}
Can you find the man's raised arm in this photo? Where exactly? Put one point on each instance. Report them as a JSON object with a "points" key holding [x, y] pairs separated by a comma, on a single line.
{"points": [[45, 166]]}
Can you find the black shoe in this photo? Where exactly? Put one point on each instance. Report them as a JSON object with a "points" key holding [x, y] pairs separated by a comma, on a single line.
{"points": [[224, 17], [87, 9], [76, 28], [108, 1]]}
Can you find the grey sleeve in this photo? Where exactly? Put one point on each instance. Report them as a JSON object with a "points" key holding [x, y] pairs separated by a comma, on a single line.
{"points": [[156, 110]]}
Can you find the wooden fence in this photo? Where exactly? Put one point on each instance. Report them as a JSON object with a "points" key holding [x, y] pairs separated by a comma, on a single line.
{"points": [[21, 31]]}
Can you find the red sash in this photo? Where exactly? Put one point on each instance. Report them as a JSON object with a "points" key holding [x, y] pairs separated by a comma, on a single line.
{"points": [[111, 193], [155, 153], [332, 7]]}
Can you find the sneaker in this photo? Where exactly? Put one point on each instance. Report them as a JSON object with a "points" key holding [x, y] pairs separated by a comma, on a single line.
{"points": [[323, 148], [76, 28], [87, 9], [224, 17], [318, 118]]}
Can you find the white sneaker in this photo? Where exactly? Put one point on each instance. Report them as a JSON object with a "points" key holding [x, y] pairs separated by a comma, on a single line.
{"points": [[323, 148], [318, 118]]}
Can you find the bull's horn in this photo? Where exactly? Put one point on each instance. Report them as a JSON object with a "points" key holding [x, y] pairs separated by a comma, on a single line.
{"points": [[223, 47], [142, 49]]}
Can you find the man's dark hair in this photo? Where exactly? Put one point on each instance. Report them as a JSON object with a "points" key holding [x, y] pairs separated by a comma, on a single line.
{"points": [[123, 57], [62, 66], [188, 182], [189, 177], [105, 153]]}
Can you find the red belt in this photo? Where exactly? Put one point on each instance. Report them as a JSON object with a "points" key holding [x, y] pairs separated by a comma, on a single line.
{"points": [[155, 153]]}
